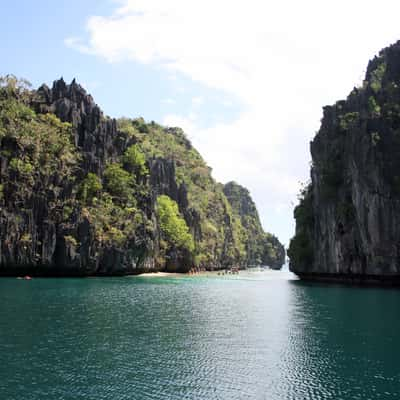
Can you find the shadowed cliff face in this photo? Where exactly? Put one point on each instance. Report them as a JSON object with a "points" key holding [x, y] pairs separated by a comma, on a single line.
{"points": [[80, 192], [348, 219]]}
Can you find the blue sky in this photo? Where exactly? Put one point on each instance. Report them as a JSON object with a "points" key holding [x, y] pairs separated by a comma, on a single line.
{"points": [[246, 80], [33, 36]]}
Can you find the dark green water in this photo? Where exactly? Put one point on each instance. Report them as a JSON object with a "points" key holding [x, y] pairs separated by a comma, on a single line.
{"points": [[257, 336]]}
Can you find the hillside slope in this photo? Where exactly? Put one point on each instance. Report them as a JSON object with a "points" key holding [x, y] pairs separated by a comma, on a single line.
{"points": [[261, 248], [85, 194]]}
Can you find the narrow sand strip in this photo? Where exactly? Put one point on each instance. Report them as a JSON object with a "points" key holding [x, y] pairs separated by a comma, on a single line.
{"points": [[159, 274]]}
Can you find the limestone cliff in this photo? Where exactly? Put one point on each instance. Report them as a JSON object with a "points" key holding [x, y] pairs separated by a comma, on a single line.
{"points": [[85, 194], [348, 219]]}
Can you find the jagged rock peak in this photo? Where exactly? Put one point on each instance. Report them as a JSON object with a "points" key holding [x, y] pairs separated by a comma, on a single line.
{"points": [[73, 92]]}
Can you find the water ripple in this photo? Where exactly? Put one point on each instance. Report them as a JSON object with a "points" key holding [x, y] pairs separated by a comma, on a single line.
{"points": [[253, 337]]}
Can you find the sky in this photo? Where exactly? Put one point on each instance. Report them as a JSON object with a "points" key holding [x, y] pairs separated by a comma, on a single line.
{"points": [[245, 79]]}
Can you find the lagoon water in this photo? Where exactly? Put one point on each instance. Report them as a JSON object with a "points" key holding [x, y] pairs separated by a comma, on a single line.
{"points": [[253, 336]]}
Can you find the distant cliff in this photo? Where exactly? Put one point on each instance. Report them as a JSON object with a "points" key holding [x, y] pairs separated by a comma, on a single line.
{"points": [[348, 219], [261, 248], [85, 194]]}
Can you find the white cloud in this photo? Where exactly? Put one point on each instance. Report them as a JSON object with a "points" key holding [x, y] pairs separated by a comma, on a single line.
{"points": [[77, 44], [169, 101], [197, 101], [281, 60]]}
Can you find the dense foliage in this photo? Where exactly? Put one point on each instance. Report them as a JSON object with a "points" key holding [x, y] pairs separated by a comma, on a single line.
{"points": [[173, 227], [219, 236], [37, 150]]}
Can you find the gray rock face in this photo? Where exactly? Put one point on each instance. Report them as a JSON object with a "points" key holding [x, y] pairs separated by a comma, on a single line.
{"points": [[95, 135], [348, 221], [51, 225], [34, 238]]}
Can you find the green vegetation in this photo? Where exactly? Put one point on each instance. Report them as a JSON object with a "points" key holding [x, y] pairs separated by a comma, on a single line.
{"points": [[71, 240], [180, 215], [258, 247], [348, 120], [303, 213], [374, 107], [115, 225], [114, 211], [38, 148], [300, 249], [140, 125], [173, 226], [376, 77], [222, 234], [223, 237], [118, 182], [125, 125], [90, 188], [135, 161]]}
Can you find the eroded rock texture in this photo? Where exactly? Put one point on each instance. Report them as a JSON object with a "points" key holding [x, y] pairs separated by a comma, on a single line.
{"points": [[79, 191], [348, 219]]}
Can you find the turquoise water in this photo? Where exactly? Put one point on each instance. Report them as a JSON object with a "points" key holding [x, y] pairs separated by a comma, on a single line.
{"points": [[256, 336]]}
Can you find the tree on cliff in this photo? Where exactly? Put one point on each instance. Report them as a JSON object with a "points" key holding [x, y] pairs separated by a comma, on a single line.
{"points": [[173, 226]]}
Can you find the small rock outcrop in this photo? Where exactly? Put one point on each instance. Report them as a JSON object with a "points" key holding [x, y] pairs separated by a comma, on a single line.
{"points": [[348, 219]]}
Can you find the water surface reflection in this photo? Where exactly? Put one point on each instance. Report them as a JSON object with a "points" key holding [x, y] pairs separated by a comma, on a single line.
{"points": [[256, 336]]}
